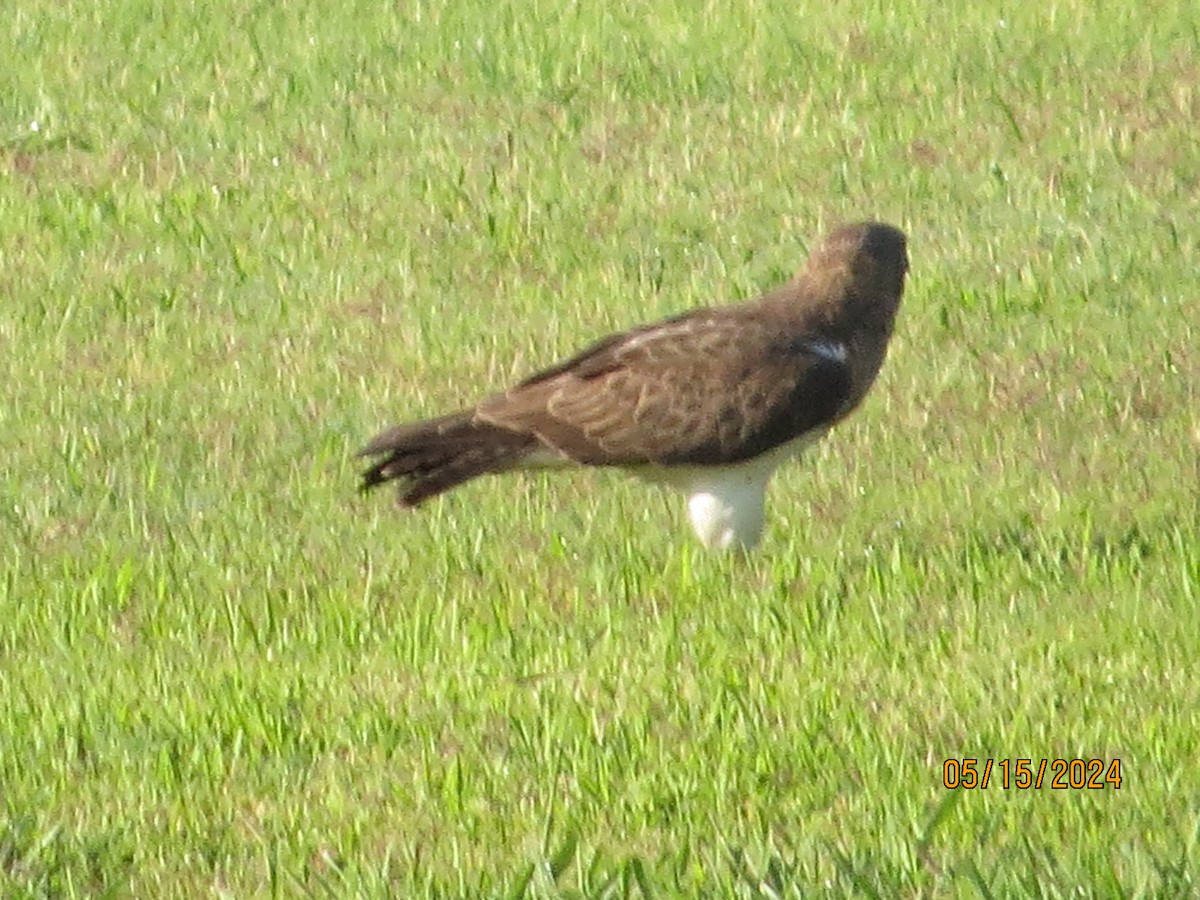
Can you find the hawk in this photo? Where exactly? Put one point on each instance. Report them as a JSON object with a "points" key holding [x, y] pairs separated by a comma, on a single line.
{"points": [[709, 402]]}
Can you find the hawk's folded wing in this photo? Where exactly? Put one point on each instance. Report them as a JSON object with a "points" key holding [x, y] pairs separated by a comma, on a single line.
{"points": [[706, 388]]}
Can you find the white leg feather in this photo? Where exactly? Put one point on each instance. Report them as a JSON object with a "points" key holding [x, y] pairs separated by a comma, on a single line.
{"points": [[725, 503], [728, 516]]}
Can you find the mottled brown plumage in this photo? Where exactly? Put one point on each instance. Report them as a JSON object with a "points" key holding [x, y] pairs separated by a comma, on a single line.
{"points": [[706, 393]]}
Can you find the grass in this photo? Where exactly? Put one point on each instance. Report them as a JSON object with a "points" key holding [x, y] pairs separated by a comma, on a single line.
{"points": [[237, 238]]}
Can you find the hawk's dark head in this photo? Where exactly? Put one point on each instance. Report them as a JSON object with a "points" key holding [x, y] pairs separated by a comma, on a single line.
{"points": [[856, 275]]}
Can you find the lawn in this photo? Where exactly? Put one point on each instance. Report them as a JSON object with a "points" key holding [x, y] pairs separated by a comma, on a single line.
{"points": [[238, 238]]}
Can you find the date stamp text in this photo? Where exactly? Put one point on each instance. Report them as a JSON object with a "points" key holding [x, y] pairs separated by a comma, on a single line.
{"points": [[1023, 774]]}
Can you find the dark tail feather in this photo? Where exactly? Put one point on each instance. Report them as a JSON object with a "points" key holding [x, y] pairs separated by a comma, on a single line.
{"points": [[433, 456]]}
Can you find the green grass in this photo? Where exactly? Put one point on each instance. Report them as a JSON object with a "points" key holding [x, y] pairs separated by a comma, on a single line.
{"points": [[236, 238]]}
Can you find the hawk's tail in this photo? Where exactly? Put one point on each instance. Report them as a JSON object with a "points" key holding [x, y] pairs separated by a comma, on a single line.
{"points": [[433, 456]]}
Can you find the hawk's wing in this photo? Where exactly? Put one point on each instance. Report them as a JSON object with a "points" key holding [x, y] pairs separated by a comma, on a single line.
{"points": [[708, 387]]}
